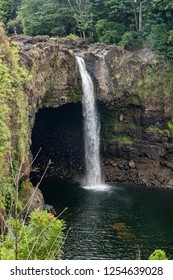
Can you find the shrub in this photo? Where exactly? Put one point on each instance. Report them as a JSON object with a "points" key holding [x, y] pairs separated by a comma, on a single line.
{"points": [[170, 127], [109, 32], [14, 23], [131, 40], [157, 38], [158, 255], [42, 238]]}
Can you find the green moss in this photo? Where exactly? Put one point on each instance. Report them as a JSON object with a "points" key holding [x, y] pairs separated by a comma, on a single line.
{"points": [[158, 129], [68, 37], [115, 131], [170, 127], [134, 61], [74, 93], [133, 99], [157, 81], [58, 62], [161, 130], [50, 92], [13, 118], [122, 139], [123, 127], [122, 88]]}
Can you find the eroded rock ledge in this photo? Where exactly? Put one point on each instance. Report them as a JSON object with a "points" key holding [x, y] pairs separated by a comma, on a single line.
{"points": [[136, 88]]}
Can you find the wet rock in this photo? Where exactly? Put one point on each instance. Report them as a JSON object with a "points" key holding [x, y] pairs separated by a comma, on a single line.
{"points": [[121, 117], [170, 183], [120, 166], [126, 166], [131, 164], [33, 199], [49, 208], [30, 39]]}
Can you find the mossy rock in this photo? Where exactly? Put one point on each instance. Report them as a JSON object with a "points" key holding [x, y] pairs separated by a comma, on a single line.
{"points": [[14, 125]]}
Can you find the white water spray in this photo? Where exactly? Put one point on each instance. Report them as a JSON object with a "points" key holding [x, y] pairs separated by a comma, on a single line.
{"points": [[91, 130]]}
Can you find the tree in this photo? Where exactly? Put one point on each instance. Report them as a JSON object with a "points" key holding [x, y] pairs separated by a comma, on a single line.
{"points": [[109, 32], [83, 16], [126, 22], [158, 26], [8, 9], [122, 11], [56, 17], [40, 17]]}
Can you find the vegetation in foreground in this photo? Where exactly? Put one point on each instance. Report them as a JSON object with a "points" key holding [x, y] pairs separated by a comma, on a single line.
{"points": [[41, 238], [158, 255]]}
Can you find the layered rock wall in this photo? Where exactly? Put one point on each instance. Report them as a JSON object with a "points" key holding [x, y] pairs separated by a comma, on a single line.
{"points": [[136, 87]]}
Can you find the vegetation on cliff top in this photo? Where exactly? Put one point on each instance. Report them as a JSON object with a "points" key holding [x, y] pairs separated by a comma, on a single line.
{"points": [[129, 23]]}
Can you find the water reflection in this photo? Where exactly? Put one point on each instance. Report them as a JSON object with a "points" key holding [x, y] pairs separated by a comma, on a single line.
{"points": [[112, 224]]}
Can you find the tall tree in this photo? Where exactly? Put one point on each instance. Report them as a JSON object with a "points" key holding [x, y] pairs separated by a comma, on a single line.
{"points": [[8, 9], [83, 15], [52, 17]]}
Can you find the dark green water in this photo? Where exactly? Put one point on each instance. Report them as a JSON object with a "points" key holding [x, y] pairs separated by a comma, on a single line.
{"points": [[141, 217]]}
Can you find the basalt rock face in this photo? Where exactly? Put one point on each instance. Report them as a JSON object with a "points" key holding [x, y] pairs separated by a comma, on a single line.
{"points": [[137, 128], [52, 69], [136, 90]]}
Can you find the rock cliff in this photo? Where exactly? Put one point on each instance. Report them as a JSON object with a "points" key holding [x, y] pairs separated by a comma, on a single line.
{"points": [[135, 89]]}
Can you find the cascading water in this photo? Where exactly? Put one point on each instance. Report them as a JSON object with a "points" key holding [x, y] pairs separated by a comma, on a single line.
{"points": [[91, 129]]}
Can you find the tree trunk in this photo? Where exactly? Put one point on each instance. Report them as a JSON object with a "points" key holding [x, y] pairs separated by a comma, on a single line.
{"points": [[84, 37], [140, 16]]}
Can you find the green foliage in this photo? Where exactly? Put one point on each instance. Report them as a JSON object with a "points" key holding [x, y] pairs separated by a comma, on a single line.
{"points": [[131, 40], [83, 16], [69, 37], [41, 17], [158, 255], [128, 23], [13, 117], [41, 239], [157, 82], [158, 129], [56, 18], [115, 131], [170, 127], [158, 37], [109, 32], [8, 10], [73, 93], [122, 139], [14, 24]]}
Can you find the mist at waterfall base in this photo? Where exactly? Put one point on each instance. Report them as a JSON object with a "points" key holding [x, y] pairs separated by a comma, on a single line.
{"points": [[93, 179]]}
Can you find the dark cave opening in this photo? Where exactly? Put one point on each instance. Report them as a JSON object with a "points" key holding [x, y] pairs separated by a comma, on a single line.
{"points": [[59, 134]]}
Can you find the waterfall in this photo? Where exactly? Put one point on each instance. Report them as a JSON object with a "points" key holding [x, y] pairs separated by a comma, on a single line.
{"points": [[91, 128]]}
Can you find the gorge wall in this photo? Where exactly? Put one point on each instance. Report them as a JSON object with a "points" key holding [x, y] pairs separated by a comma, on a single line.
{"points": [[134, 90]]}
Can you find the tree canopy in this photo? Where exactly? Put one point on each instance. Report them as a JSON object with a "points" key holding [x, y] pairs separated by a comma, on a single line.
{"points": [[129, 23]]}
